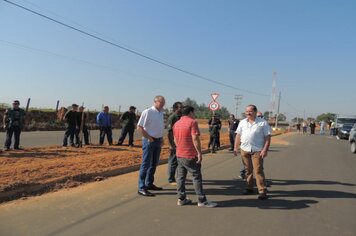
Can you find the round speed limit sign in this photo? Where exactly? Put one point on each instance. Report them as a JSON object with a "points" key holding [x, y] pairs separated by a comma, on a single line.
{"points": [[214, 106]]}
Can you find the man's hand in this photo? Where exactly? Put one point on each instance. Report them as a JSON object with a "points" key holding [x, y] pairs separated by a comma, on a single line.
{"points": [[199, 158], [236, 151], [263, 153]]}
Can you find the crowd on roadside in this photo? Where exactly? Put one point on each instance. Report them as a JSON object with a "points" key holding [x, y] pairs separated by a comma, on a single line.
{"points": [[249, 138]]}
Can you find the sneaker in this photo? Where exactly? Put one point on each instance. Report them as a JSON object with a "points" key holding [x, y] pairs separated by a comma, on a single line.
{"points": [[6, 149], [186, 201], [207, 204], [173, 183], [154, 187]]}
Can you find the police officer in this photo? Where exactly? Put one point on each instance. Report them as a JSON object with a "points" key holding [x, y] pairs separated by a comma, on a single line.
{"points": [[233, 124], [82, 116], [71, 126], [128, 120], [14, 120]]}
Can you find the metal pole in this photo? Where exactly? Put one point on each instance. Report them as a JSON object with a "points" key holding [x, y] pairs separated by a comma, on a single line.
{"points": [[279, 103]]}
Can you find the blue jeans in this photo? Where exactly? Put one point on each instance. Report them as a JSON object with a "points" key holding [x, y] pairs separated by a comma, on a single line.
{"points": [[151, 152], [172, 166], [186, 165]]}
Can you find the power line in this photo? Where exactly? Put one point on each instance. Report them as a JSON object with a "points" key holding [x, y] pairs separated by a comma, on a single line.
{"points": [[133, 51]]}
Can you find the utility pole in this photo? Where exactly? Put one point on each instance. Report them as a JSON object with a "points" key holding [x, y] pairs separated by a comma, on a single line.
{"points": [[273, 96], [279, 103], [238, 99]]}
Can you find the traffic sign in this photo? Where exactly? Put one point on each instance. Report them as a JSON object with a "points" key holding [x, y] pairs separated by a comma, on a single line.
{"points": [[214, 106], [215, 96]]}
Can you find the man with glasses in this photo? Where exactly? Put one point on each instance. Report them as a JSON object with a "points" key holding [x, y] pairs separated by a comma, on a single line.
{"points": [[14, 120], [253, 137], [151, 126]]}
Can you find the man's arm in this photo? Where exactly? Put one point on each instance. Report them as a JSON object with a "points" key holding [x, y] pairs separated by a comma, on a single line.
{"points": [[237, 144], [144, 133], [197, 145], [264, 151], [5, 119]]}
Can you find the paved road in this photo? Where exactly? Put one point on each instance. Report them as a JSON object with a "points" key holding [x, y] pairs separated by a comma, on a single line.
{"points": [[312, 193], [55, 138]]}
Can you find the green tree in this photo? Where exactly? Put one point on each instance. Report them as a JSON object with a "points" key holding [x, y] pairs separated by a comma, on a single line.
{"points": [[326, 117], [282, 117]]}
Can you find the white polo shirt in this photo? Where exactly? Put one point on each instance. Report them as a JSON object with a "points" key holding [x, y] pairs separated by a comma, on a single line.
{"points": [[152, 122], [253, 135]]}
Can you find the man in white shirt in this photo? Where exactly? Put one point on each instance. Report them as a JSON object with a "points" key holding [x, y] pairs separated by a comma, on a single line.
{"points": [[253, 137], [151, 125]]}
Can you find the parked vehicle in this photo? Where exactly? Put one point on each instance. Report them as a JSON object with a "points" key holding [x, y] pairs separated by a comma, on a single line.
{"points": [[343, 119], [352, 139], [344, 131]]}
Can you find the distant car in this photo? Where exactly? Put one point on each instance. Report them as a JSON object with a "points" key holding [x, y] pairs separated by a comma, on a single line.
{"points": [[344, 131], [352, 139]]}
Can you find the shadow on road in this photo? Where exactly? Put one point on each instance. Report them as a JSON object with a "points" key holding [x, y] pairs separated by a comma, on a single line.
{"points": [[234, 188]]}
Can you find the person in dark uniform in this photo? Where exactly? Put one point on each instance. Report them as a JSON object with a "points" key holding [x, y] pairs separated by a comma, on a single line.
{"points": [[71, 126], [14, 120], [81, 115], [105, 124], [128, 120], [172, 160], [312, 127], [233, 124], [214, 130]]}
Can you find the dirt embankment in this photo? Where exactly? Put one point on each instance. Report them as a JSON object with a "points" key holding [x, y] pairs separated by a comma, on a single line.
{"points": [[38, 170]]}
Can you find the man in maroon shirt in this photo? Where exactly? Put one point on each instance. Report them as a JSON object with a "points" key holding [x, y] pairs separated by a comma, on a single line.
{"points": [[186, 136]]}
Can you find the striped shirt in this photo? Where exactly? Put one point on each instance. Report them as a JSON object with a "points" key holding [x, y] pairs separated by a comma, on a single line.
{"points": [[183, 131]]}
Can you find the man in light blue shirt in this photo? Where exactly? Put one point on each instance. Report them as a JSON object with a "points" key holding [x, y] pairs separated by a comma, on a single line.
{"points": [[104, 121]]}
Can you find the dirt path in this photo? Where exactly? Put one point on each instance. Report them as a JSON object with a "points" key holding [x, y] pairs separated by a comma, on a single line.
{"points": [[37, 170]]}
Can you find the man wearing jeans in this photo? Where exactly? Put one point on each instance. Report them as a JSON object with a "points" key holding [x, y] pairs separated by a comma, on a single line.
{"points": [[253, 137], [186, 136], [151, 125]]}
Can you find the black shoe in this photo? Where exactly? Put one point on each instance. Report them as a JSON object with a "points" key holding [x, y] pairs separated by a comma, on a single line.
{"points": [[145, 193], [262, 196], [18, 148], [131, 145], [248, 192], [119, 144], [72, 145], [154, 187]]}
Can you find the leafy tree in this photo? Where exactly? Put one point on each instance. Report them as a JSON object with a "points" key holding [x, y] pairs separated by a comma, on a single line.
{"points": [[297, 119], [282, 117], [203, 112], [326, 117]]}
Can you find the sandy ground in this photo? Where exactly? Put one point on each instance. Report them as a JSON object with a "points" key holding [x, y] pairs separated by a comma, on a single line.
{"points": [[72, 166]]}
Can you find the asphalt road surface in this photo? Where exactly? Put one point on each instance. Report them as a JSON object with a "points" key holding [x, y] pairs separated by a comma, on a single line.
{"points": [[312, 193], [55, 138]]}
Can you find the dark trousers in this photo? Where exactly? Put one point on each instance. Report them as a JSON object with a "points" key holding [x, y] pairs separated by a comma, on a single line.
{"points": [[70, 133], [124, 131], [232, 136], [172, 166], [105, 131], [190, 165], [85, 134], [9, 132], [213, 142]]}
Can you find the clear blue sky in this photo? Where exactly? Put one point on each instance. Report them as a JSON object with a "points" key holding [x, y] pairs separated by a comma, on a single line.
{"points": [[310, 44]]}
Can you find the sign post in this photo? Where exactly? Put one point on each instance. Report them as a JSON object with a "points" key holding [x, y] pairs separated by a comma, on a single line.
{"points": [[214, 105]]}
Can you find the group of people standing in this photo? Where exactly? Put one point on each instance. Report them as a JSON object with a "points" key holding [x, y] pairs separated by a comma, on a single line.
{"points": [[252, 136], [249, 137], [303, 127], [76, 123]]}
